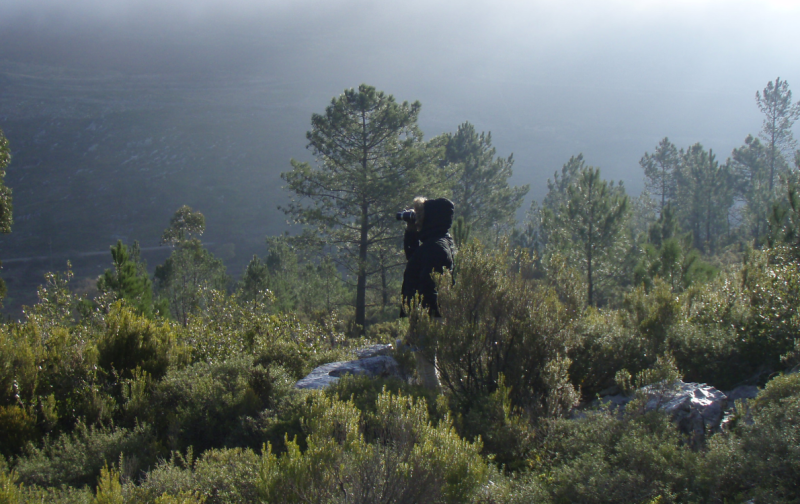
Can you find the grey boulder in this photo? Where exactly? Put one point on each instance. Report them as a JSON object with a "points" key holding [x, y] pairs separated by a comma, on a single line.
{"points": [[372, 362], [696, 408]]}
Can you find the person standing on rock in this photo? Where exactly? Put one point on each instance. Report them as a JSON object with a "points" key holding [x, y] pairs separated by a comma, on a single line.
{"points": [[429, 249]]}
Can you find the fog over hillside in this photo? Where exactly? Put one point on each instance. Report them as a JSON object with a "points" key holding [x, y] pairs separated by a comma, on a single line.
{"points": [[120, 111]]}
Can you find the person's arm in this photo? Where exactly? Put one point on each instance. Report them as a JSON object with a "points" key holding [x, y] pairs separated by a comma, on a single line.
{"points": [[410, 241]]}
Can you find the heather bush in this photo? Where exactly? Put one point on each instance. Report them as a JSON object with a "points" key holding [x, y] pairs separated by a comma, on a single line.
{"points": [[129, 341], [213, 405], [603, 458], [760, 458], [604, 346], [497, 322], [403, 458], [14, 492], [47, 381], [219, 476], [363, 392], [230, 327], [76, 458], [771, 282]]}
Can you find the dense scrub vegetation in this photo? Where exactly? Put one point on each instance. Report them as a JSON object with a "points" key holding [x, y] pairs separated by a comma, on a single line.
{"points": [[180, 388]]}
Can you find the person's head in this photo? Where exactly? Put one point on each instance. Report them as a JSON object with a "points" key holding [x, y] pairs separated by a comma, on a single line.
{"points": [[438, 215]]}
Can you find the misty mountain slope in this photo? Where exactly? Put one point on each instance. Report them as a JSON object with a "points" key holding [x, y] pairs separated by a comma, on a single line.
{"points": [[100, 157]]}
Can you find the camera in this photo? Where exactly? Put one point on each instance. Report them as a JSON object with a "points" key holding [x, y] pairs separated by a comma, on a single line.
{"points": [[407, 215]]}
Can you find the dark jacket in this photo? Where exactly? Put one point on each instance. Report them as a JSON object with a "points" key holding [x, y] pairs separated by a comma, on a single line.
{"points": [[429, 250]]}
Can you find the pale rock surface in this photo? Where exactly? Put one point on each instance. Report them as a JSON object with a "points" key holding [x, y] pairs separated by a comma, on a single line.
{"points": [[372, 361], [696, 408]]}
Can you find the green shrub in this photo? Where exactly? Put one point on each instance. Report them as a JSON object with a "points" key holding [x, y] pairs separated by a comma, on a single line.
{"points": [[761, 459], [408, 460], [60, 495], [605, 459], [214, 405], [131, 341], [604, 346], [708, 353], [76, 458], [52, 377], [363, 391], [109, 487], [17, 428], [218, 476], [504, 430], [10, 492], [771, 282], [498, 322], [230, 327]]}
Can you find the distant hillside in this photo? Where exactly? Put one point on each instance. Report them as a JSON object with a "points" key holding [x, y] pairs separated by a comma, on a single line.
{"points": [[101, 157]]}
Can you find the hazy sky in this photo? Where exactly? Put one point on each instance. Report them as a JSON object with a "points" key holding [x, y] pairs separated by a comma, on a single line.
{"points": [[549, 79]]}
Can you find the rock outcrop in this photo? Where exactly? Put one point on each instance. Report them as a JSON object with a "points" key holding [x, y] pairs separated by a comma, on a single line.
{"points": [[373, 361], [696, 408]]}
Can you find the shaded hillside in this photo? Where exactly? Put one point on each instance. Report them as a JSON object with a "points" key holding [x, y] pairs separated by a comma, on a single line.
{"points": [[101, 157]]}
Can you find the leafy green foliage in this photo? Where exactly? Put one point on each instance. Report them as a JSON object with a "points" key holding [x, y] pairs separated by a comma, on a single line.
{"points": [[760, 458], [669, 254], [77, 458], [784, 221], [187, 277], [218, 476], [130, 341], [214, 405], [603, 459]]}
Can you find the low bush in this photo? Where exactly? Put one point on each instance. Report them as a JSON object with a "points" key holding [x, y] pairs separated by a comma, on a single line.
{"points": [[214, 405], [760, 459], [131, 341], [407, 460], [606, 459], [219, 476], [76, 458], [498, 322], [230, 327]]}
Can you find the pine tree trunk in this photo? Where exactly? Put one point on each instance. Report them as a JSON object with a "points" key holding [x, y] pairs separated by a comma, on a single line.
{"points": [[361, 285]]}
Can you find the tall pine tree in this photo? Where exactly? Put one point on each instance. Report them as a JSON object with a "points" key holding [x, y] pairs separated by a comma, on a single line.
{"points": [[780, 114], [371, 162], [481, 193], [589, 224]]}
